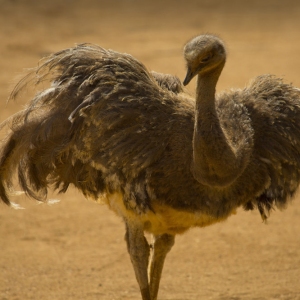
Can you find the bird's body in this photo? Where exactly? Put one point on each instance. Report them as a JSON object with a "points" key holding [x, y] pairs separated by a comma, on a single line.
{"points": [[161, 160]]}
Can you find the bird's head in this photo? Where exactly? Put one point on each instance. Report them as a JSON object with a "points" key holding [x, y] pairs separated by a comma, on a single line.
{"points": [[203, 54]]}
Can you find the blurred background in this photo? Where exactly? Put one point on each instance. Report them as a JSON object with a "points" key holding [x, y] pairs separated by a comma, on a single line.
{"points": [[75, 249]]}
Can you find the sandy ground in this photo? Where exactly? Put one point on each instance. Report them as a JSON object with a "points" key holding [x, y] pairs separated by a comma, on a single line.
{"points": [[75, 249]]}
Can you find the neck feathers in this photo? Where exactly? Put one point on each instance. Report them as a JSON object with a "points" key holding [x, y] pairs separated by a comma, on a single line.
{"points": [[220, 153]]}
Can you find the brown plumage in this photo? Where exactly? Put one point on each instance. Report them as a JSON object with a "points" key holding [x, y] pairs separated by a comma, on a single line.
{"points": [[161, 160], [169, 82]]}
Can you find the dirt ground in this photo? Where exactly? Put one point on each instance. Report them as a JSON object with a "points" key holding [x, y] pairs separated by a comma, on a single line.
{"points": [[75, 249]]}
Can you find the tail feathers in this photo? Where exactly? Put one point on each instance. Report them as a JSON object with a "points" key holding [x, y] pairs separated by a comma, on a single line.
{"points": [[30, 151], [5, 174], [41, 158], [34, 147], [18, 157]]}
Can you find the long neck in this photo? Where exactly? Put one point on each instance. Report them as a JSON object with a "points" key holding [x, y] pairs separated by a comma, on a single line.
{"points": [[215, 162]]}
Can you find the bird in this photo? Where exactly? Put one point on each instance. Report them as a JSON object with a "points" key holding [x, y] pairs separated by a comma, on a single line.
{"points": [[162, 160]]}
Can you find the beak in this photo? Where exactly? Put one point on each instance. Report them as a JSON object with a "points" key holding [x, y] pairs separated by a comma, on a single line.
{"points": [[189, 76]]}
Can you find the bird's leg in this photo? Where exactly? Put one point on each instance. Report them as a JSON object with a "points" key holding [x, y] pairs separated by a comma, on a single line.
{"points": [[139, 250], [161, 246]]}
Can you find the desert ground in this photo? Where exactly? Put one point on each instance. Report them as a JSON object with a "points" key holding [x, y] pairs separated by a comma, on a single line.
{"points": [[75, 249]]}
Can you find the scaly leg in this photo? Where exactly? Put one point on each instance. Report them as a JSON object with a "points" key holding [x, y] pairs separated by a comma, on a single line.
{"points": [[139, 250], [161, 246]]}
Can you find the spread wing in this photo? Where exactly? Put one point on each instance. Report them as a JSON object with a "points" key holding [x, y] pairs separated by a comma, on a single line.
{"points": [[102, 122]]}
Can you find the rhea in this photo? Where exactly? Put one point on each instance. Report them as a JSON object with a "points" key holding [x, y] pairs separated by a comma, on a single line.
{"points": [[162, 161]]}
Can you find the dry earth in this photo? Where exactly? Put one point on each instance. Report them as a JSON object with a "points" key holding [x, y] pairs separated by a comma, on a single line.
{"points": [[75, 249]]}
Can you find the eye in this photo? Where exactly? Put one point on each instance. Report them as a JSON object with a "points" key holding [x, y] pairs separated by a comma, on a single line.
{"points": [[206, 58]]}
